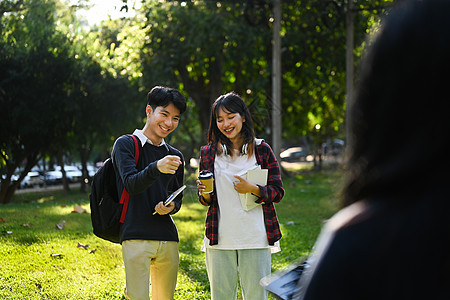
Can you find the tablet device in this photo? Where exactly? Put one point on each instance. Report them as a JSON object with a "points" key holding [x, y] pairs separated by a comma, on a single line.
{"points": [[284, 285], [174, 195]]}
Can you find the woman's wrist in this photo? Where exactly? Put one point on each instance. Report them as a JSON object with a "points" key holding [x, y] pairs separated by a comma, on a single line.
{"points": [[205, 199], [256, 190]]}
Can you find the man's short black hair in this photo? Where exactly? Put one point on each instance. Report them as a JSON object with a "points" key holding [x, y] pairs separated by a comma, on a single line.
{"points": [[163, 96]]}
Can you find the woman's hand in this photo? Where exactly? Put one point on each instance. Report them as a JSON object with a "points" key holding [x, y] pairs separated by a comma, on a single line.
{"points": [[243, 186], [201, 188]]}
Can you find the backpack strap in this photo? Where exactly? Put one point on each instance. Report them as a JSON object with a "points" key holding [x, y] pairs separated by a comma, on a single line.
{"points": [[125, 198]]}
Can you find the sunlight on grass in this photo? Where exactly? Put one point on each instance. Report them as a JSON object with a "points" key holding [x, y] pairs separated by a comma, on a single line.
{"points": [[40, 261]]}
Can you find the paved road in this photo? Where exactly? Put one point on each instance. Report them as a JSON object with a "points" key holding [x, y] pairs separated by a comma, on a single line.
{"points": [[47, 188]]}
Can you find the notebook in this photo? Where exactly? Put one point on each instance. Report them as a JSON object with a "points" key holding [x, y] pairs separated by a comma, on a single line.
{"points": [[255, 176]]}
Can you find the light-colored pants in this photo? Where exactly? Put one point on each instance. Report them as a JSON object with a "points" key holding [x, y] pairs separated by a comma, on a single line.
{"points": [[227, 267], [158, 259]]}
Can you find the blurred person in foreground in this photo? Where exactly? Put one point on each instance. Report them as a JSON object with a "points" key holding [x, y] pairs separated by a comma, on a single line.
{"points": [[390, 240], [238, 240]]}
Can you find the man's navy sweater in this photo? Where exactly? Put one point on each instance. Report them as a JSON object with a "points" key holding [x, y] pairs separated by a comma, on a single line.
{"points": [[147, 187]]}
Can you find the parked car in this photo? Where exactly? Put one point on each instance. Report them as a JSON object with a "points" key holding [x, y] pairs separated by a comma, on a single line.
{"points": [[53, 177], [335, 147], [73, 174], [92, 170], [32, 179], [14, 177], [294, 154]]}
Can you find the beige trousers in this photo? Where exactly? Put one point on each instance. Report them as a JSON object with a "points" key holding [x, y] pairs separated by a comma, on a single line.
{"points": [[144, 258]]}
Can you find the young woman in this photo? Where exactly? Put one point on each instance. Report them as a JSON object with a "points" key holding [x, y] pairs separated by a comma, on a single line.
{"points": [[238, 242]]}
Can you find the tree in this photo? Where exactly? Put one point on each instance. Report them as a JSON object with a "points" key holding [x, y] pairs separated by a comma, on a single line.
{"points": [[104, 104], [207, 48], [204, 48], [314, 90], [35, 66], [55, 96]]}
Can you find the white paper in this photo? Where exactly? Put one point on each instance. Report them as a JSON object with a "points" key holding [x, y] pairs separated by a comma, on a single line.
{"points": [[255, 176]]}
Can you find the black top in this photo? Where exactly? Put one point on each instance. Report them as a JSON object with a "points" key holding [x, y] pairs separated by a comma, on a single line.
{"points": [[383, 249], [147, 187]]}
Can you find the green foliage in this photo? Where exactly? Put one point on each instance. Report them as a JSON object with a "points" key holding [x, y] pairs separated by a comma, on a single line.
{"points": [[72, 89], [35, 66], [209, 48], [54, 93], [40, 261], [204, 48], [314, 36]]}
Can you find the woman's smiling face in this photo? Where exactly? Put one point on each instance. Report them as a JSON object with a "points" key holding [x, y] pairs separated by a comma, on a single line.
{"points": [[230, 124]]}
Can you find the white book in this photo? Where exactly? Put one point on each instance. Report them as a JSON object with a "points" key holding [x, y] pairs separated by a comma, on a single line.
{"points": [[255, 176]]}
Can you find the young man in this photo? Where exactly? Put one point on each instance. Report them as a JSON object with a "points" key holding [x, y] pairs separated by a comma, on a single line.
{"points": [[149, 236]]}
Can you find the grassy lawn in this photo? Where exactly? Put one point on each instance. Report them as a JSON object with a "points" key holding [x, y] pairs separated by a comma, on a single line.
{"points": [[41, 261]]}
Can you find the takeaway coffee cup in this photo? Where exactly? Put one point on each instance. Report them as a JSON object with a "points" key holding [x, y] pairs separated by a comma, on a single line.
{"points": [[206, 177]]}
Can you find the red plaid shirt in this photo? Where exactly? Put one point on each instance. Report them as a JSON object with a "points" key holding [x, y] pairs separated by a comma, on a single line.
{"points": [[271, 193]]}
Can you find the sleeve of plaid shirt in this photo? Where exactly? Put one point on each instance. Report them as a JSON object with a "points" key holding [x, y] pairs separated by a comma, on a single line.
{"points": [[207, 154], [206, 163], [273, 191]]}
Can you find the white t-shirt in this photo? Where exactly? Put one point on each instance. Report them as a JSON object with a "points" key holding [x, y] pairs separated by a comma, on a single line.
{"points": [[238, 229]]}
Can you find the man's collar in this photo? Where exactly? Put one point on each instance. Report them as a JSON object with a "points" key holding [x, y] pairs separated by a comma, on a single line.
{"points": [[141, 136]]}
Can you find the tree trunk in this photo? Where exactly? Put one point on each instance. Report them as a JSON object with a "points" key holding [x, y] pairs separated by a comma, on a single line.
{"points": [[64, 177], [8, 188], [349, 64], [4, 191], [204, 94], [276, 82], [85, 180]]}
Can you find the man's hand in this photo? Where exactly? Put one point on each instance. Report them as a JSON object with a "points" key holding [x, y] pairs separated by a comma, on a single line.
{"points": [[169, 164], [164, 210]]}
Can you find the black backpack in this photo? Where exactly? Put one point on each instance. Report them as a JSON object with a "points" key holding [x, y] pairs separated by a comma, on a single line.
{"points": [[107, 210]]}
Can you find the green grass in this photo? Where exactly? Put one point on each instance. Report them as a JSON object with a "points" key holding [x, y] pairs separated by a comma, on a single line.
{"points": [[40, 261]]}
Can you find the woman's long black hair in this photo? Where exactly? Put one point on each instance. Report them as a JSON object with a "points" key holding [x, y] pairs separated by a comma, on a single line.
{"points": [[399, 126]]}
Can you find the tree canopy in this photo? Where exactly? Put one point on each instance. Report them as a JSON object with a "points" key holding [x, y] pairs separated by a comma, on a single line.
{"points": [[55, 96], [69, 91]]}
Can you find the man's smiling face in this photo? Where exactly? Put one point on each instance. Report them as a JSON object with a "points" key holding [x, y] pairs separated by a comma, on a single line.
{"points": [[161, 121]]}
